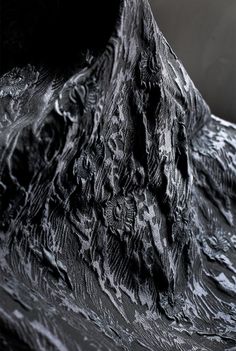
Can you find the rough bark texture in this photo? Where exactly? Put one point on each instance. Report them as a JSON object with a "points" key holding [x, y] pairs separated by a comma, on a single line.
{"points": [[117, 203]]}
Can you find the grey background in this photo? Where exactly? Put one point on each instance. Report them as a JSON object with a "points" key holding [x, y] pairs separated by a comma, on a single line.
{"points": [[203, 35]]}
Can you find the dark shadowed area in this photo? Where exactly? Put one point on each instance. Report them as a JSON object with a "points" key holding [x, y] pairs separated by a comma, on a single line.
{"points": [[54, 32], [203, 35]]}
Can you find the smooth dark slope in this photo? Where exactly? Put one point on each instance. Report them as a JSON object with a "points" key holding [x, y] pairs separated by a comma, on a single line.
{"points": [[117, 202]]}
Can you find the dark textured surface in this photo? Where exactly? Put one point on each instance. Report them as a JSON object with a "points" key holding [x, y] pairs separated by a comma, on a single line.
{"points": [[117, 203], [203, 35]]}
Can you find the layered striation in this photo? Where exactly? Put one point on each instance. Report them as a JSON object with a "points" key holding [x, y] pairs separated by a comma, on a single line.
{"points": [[117, 202]]}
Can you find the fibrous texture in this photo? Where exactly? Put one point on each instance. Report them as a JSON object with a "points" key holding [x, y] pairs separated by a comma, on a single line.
{"points": [[117, 203]]}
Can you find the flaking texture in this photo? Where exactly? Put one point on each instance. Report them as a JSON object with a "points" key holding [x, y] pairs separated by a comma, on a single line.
{"points": [[117, 203]]}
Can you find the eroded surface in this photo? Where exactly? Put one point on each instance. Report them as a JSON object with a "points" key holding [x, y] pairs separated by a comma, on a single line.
{"points": [[117, 203]]}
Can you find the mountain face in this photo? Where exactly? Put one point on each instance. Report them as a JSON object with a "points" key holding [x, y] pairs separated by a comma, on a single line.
{"points": [[117, 196]]}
